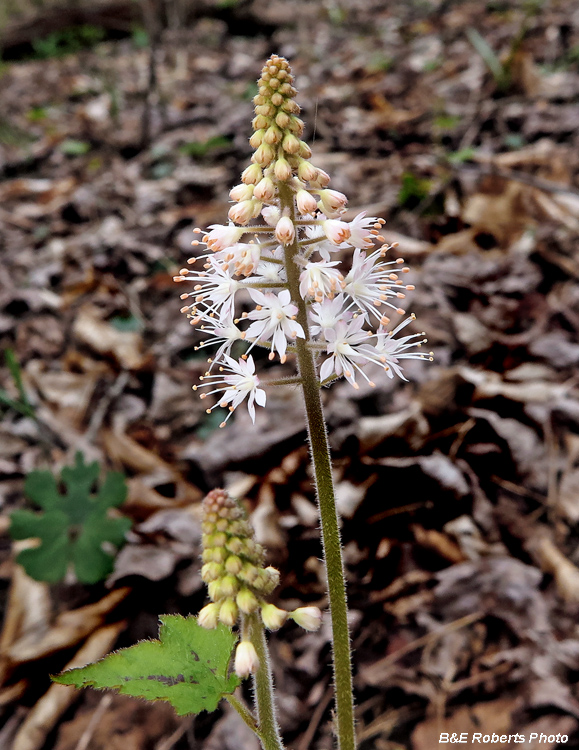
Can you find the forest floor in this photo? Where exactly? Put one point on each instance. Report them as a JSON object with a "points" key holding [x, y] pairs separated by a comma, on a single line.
{"points": [[457, 122]]}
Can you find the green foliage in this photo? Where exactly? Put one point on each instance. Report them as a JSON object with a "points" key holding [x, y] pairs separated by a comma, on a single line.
{"points": [[445, 122], [500, 72], [199, 149], [67, 41], [413, 190], [187, 667], [140, 37], [462, 155], [22, 404], [72, 147], [126, 323], [74, 526]]}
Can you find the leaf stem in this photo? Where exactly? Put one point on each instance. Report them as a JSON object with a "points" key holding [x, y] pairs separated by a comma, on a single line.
{"points": [[244, 712], [320, 452]]}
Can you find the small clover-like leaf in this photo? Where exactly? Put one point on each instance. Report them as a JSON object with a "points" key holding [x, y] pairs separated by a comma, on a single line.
{"points": [[187, 667], [74, 527]]}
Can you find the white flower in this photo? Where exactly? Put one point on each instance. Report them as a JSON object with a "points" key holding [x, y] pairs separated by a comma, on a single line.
{"points": [[346, 359], [215, 289], [239, 384], [225, 333], [327, 313], [361, 230], [246, 659], [243, 256], [388, 351], [274, 320], [371, 281], [221, 236], [271, 215], [319, 280]]}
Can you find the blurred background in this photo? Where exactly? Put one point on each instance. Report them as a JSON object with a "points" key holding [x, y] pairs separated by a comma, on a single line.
{"points": [[123, 126]]}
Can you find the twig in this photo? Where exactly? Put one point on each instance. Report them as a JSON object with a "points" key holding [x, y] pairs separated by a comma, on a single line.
{"points": [[95, 720], [99, 413], [310, 732]]}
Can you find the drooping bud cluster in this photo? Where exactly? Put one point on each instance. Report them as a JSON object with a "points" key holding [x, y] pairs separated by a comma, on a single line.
{"points": [[237, 579], [339, 313]]}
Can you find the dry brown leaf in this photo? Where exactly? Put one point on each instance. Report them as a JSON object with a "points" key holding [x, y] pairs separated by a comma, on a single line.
{"points": [[484, 718], [69, 629], [438, 542], [58, 698], [125, 346], [553, 561], [133, 455]]}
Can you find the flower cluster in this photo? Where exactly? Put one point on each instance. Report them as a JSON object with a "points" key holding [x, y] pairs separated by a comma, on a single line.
{"points": [[237, 580], [280, 254]]}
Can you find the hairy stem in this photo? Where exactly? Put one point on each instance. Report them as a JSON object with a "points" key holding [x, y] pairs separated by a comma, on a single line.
{"points": [[320, 452], [268, 732], [244, 712]]}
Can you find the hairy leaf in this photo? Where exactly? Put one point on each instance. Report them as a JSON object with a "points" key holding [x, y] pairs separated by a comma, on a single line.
{"points": [[187, 667]]}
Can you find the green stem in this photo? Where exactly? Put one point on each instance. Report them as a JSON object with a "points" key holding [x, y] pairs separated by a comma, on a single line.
{"points": [[268, 731], [320, 452], [244, 712]]}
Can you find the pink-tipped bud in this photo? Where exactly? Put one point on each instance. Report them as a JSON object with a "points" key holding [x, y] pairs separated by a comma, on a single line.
{"points": [[285, 231], [251, 175], [322, 178], [246, 659], [265, 189], [306, 171], [228, 613], [208, 616], [273, 617], [332, 201], [241, 192], [242, 212], [308, 618], [336, 231], [306, 202], [282, 169]]}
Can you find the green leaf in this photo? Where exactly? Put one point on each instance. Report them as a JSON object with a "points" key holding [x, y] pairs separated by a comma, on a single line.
{"points": [[187, 667], [72, 147], [75, 527]]}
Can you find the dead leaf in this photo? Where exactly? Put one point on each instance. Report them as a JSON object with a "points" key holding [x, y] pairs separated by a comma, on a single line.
{"points": [[126, 347]]}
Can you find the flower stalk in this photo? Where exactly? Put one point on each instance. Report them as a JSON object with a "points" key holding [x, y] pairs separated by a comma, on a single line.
{"points": [[302, 306]]}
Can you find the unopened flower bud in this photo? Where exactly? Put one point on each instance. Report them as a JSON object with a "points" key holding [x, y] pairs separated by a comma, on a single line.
{"points": [[272, 135], [265, 189], [233, 564], [211, 571], [207, 617], [272, 580], [282, 169], [290, 144], [322, 178], [228, 613], [251, 175], [282, 119], [241, 192], [273, 617], [257, 138], [247, 601], [285, 231], [304, 150], [271, 215], [264, 155], [306, 202], [260, 122], [332, 201], [308, 618], [242, 212], [306, 171], [246, 659], [336, 231], [229, 586]]}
